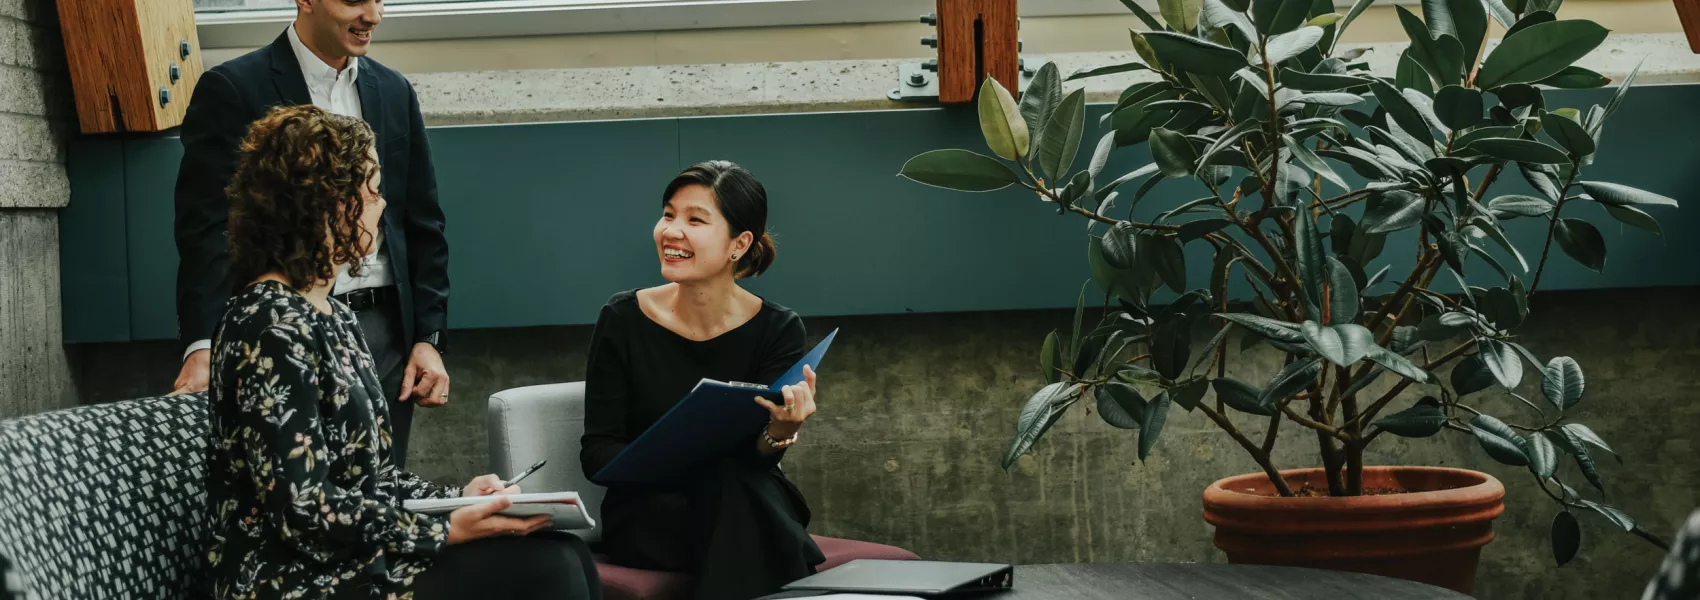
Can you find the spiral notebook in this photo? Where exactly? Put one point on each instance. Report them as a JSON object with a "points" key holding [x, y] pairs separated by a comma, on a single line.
{"points": [[710, 422]]}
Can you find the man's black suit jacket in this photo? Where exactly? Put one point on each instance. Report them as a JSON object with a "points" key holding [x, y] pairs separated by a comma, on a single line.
{"points": [[233, 95]]}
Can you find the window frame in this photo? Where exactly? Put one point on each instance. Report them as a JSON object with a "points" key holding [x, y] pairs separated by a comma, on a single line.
{"points": [[246, 28]]}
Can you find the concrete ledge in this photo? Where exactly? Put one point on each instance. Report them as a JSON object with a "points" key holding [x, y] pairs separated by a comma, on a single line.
{"points": [[28, 138], [30, 184], [762, 88]]}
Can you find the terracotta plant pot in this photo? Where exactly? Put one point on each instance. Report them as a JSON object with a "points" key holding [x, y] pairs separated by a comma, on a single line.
{"points": [[1433, 534]]}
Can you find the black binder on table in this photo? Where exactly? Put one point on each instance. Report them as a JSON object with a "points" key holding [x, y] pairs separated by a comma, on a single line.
{"points": [[915, 577], [708, 423]]}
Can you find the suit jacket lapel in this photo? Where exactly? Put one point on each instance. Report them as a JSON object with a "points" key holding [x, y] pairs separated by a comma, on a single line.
{"points": [[371, 108], [286, 74]]}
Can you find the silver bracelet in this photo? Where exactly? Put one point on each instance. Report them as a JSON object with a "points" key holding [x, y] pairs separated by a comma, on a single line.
{"points": [[767, 438]]}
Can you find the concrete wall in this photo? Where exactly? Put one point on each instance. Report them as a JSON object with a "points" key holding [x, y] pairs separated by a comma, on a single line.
{"points": [[917, 410], [35, 123], [1041, 36]]}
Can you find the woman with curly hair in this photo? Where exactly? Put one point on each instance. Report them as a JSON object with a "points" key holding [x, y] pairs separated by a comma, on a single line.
{"points": [[301, 479]]}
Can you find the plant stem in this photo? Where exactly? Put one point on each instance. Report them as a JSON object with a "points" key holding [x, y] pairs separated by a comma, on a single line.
{"points": [[1552, 231], [1257, 454], [1369, 413], [1404, 288], [1269, 434], [1315, 422], [1349, 199], [1109, 221]]}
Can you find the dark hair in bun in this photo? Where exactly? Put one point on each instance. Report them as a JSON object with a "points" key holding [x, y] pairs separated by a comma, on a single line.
{"points": [[742, 200]]}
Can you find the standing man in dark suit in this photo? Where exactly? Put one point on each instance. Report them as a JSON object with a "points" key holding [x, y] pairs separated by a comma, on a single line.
{"points": [[402, 295]]}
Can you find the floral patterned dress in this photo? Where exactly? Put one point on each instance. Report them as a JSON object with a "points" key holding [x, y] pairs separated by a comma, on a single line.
{"points": [[306, 500]]}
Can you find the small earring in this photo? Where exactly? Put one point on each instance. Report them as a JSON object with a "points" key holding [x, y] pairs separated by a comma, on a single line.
{"points": [[734, 257]]}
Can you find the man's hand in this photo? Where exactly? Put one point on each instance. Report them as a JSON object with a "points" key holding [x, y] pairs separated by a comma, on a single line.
{"points": [[424, 377], [194, 375]]}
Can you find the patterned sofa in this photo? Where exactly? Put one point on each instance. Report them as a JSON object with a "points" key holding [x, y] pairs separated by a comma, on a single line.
{"points": [[105, 501]]}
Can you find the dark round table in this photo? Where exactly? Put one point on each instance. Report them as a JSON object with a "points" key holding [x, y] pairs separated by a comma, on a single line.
{"points": [[1174, 581]]}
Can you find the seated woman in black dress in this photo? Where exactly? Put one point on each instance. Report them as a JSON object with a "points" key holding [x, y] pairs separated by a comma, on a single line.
{"points": [[738, 526], [299, 477]]}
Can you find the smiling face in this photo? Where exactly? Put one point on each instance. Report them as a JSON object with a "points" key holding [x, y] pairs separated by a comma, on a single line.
{"points": [[694, 240], [338, 29]]}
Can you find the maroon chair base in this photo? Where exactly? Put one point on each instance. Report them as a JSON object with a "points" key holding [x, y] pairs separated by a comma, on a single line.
{"points": [[625, 583]]}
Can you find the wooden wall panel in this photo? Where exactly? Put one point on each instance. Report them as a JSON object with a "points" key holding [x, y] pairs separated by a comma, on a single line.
{"points": [[121, 54], [1689, 12], [977, 38]]}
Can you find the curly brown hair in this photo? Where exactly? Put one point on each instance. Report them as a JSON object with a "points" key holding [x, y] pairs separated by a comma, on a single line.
{"points": [[298, 183]]}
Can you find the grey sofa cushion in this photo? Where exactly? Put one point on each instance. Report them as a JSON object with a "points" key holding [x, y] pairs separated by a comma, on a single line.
{"points": [[107, 501], [543, 422]]}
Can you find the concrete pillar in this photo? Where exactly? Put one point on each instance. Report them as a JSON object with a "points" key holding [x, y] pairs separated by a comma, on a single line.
{"points": [[35, 123]]}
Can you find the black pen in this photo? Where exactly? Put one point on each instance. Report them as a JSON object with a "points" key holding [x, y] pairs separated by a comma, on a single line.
{"points": [[509, 483]]}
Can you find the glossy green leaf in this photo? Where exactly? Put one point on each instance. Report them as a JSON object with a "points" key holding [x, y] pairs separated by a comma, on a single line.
{"points": [[1566, 537], [1269, 328], [1399, 108], [1531, 19], [1569, 134], [1106, 70], [1040, 412], [1634, 217], [1493, 231], [1458, 107], [1061, 140], [1469, 22], [1313, 162], [1279, 16], [1144, 16], [1181, 15], [1421, 420], [1171, 345], [1174, 154], [1050, 357], [1397, 364], [1562, 382], [1539, 52], [1528, 151], [1585, 461], [1623, 195], [1166, 256], [1311, 269], [1042, 98], [959, 170], [1581, 241], [1218, 14], [1326, 99], [1543, 457], [1193, 54], [1522, 206], [1503, 362], [1392, 211], [1001, 122], [1319, 82], [1117, 246], [1241, 396], [1617, 517], [1120, 405], [1441, 56], [1471, 375], [1596, 126], [1342, 293], [1499, 440], [1575, 78], [1292, 379], [1284, 47], [1156, 414], [1582, 433]]}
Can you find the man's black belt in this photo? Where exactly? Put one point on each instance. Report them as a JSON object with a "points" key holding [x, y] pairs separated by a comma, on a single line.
{"points": [[367, 298]]}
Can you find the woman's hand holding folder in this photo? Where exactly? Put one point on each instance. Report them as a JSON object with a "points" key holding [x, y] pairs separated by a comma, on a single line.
{"points": [[785, 421]]}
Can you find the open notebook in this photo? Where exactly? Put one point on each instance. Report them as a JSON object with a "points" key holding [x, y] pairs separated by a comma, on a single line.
{"points": [[564, 508]]}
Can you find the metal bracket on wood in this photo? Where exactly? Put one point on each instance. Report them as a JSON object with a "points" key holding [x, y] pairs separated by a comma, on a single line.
{"points": [[919, 82]]}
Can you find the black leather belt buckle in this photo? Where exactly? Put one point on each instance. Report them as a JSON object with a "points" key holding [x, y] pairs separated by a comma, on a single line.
{"points": [[362, 299]]}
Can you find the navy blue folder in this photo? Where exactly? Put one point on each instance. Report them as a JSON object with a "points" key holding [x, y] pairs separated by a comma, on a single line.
{"points": [[709, 423]]}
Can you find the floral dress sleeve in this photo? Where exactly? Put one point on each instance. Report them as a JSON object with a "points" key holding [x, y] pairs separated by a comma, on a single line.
{"points": [[278, 397], [414, 487]]}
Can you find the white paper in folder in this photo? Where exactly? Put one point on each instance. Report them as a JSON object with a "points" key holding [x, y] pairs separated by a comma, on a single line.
{"points": [[564, 508]]}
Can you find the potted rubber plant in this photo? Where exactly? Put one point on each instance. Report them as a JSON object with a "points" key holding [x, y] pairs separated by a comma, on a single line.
{"points": [[1306, 166]]}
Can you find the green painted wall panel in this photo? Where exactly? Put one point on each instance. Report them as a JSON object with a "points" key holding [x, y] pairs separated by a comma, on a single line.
{"points": [[545, 221], [150, 180], [92, 252]]}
